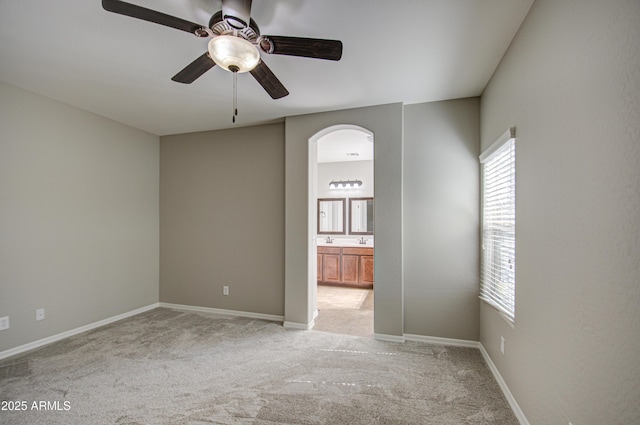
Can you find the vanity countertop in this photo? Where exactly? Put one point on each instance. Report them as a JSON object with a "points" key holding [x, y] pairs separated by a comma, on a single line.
{"points": [[339, 243]]}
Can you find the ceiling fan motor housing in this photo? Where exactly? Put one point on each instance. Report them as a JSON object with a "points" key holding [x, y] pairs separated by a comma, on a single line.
{"points": [[237, 13], [219, 26]]}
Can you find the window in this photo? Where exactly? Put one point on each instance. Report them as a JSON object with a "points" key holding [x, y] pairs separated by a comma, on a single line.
{"points": [[498, 267]]}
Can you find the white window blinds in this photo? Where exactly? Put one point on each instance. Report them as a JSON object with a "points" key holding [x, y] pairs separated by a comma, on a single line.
{"points": [[498, 274]]}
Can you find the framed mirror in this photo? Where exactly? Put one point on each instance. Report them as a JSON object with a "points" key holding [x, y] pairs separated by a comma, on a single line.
{"points": [[331, 216], [361, 216]]}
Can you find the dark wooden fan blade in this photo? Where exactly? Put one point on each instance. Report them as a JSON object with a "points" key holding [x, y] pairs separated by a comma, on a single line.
{"points": [[306, 47], [195, 69], [269, 81], [139, 12]]}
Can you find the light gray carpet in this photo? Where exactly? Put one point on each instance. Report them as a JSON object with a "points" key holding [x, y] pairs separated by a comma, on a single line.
{"points": [[172, 367]]}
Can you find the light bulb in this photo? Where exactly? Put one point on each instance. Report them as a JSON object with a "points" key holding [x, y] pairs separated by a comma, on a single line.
{"points": [[229, 51]]}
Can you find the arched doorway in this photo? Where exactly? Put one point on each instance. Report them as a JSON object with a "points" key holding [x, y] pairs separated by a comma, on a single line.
{"points": [[341, 196]]}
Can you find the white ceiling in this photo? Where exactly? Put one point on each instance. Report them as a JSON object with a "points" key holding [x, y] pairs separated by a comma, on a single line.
{"points": [[407, 51], [345, 145]]}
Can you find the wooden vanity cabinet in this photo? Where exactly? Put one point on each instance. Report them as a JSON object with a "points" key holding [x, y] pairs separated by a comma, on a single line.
{"points": [[366, 269], [330, 264], [348, 266]]}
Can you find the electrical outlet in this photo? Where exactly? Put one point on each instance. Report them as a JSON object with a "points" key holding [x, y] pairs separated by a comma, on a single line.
{"points": [[225, 290], [502, 344], [4, 323], [40, 314]]}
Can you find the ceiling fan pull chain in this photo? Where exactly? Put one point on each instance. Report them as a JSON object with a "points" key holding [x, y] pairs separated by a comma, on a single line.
{"points": [[234, 69], [235, 93], [235, 96]]}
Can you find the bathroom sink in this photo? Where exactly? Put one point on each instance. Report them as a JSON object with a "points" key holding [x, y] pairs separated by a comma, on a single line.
{"points": [[338, 243]]}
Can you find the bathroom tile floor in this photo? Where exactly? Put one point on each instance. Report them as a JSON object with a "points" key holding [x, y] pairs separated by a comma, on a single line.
{"points": [[347, 311]]}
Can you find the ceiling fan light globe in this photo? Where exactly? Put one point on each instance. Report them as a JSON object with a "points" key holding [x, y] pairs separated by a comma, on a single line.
{"points": [[235, 52]]}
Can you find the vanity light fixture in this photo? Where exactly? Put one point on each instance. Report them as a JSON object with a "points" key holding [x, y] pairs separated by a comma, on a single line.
{"points": [[345, 184]]}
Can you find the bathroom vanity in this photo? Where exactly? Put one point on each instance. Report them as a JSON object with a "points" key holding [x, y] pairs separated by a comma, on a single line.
{"points": [[343, 260], [345, 266]]}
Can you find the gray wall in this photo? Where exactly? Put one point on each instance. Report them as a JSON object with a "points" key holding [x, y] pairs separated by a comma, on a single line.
{"points": [[78, 217], [386, 123], [570, 83], [440, 219], [222, 219], [204, 229]]}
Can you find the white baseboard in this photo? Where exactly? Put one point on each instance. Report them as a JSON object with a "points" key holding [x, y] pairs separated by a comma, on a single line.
{"points": [[270, 317], [299, 326], [505, 389], [57, 337], [442, 341], [389, 338]]}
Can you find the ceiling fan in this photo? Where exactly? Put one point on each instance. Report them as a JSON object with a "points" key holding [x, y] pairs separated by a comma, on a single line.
{"points": [[236, 43]]}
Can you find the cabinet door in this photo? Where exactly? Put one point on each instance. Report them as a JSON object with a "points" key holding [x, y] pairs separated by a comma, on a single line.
{"points": [[331, 268], [319, 276], [366, 269], [350, 268]]}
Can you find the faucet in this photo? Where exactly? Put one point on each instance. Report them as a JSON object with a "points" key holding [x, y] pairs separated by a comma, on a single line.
{"points": [[362, 241], [329, 240]]}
